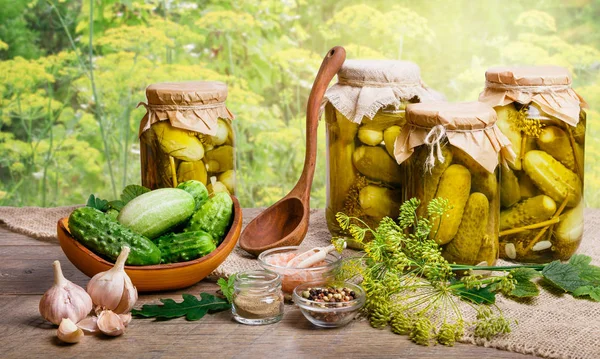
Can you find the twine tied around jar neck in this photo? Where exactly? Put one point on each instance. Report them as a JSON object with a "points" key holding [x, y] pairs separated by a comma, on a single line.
{"points": [[433, 140], [148, 106], [527, 89]]}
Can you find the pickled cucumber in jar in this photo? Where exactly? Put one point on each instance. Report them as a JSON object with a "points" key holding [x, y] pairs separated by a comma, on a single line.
{"points": [[187, 134], [542, 197]]}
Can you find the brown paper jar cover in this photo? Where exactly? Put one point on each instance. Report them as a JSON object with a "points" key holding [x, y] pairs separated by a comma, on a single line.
{"points": [[547, 86], [470, 126], [193, 105]]}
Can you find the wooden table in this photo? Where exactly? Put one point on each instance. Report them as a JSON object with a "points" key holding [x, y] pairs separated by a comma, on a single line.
{"points": [[26, 273]]}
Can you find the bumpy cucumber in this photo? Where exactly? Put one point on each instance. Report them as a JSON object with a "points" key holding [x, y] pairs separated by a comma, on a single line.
{"points": [[529, 211], [197, 189], [455, 186], [555, 142], [376, 163], [379, 202], [481, 180], [155, 212], [426, 191], [105, 237], [213, 217], [552, 177], [183, 247], [510, 192], [465, 246]]}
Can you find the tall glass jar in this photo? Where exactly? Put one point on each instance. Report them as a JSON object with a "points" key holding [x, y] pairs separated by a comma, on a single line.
{"points": [[187, 134], [257, 298], [542, 189], [452, 151], [365, 113]]}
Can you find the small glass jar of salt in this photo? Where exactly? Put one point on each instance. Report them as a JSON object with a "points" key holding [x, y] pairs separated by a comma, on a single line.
{"points": [[257, 298]]}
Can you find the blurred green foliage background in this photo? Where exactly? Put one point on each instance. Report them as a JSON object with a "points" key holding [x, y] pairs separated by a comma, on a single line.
{"points": [[72, 73]]}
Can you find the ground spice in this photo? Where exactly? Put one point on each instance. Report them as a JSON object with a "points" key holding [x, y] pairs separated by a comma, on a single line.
{"points": [[251, 306]]}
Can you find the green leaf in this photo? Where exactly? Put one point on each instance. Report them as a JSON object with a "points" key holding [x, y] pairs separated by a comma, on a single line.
{"points": [[190, 307], [99, 204], [116, 204], [227, 287], [587, 271], [132, 191], [524, 287], [592, 292], [563, 276], [483, 295]]}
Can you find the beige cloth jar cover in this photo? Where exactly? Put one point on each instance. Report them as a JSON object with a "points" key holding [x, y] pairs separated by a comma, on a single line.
{"points": [[470, 126], [547, 86], [194, 105], [366, 86]]}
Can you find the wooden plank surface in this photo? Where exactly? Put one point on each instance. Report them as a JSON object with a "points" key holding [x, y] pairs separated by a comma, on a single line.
{"points": [[25, 274]]}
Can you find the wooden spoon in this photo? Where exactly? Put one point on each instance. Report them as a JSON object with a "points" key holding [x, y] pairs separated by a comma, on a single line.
{"points": [[286, 222]]}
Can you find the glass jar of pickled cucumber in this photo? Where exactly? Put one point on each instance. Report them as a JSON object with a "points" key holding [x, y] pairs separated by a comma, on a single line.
{"points": [[541, 216], [365, 113], [452, 151], [187, 134]]}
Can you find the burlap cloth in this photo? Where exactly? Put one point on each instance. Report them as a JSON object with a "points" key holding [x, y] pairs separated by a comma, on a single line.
{"points": [[553, 325]]}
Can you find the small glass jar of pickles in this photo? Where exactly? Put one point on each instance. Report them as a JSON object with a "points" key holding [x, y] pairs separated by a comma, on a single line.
{"points": [[187, 134], [365, 113], [542, 189], [452, 151]]}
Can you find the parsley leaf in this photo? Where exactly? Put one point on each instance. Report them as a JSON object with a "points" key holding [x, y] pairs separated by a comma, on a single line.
{"points": [[132, 191], [227, 287], [524, 287], [99, 204], [190, 307]]}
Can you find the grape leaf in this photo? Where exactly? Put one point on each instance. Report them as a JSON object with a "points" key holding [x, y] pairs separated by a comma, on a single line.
{"points": [[190, 307], [483, 295], [524, 287], [132, 191], [577, 277], [227, 287], [99, 204]]}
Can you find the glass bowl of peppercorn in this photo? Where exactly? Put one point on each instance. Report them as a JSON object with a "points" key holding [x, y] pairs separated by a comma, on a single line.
{"points": [[330, 304]]}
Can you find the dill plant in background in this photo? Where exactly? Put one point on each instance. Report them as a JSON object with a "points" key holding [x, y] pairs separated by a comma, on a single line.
{"points": [[413, 289]]}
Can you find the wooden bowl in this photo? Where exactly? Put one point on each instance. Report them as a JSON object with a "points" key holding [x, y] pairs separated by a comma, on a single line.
{"points": [[159, 277]]}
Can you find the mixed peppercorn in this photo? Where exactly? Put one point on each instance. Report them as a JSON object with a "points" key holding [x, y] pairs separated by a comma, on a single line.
{"points": [[329, 294]]}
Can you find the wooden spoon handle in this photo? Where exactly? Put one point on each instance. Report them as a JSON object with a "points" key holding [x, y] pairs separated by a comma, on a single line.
{"points": [[329, 67]]}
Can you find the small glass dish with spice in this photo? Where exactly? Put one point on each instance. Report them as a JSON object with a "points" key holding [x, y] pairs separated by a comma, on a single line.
{"points": [[330, 304], [277, 259], [257, 298]]}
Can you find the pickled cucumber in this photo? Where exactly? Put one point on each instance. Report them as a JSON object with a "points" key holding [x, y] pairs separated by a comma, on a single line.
{"points": [[465, 246], [223, 155], [568, 232], [192, 171], [488, 252], [526, 186], [481, 180], [579, 130], [181, 144], [510, 192], [228, 179], [389, 138], [506, 115], [555, 142], [427, 185], [222, 133], [370, 137], [379, 202], [375, 163], [552, 177], [530, 211], [455, 186]]}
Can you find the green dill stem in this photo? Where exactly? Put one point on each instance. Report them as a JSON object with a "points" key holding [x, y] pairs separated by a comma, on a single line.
{"points": [[459, 267]]}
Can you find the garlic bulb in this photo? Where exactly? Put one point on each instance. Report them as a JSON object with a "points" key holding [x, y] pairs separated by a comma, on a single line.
{"points": [[110, 323], [68, 332], [64, 299], [113, 289]]}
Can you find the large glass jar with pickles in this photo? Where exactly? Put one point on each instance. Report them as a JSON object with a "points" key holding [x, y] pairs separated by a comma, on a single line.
{"points": [[542, 189], [452, 151], [187, 134], [365, 113]]}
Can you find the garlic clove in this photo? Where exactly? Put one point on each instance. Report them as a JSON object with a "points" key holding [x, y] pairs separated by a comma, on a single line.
{"points": [[89, 324], [68, 332], [110, 323], [113, 289], [125, 318], [64, 299]]}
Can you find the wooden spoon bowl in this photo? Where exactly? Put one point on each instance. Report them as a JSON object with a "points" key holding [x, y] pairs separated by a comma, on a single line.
{"points": [[159, 277], [286, 222]]}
